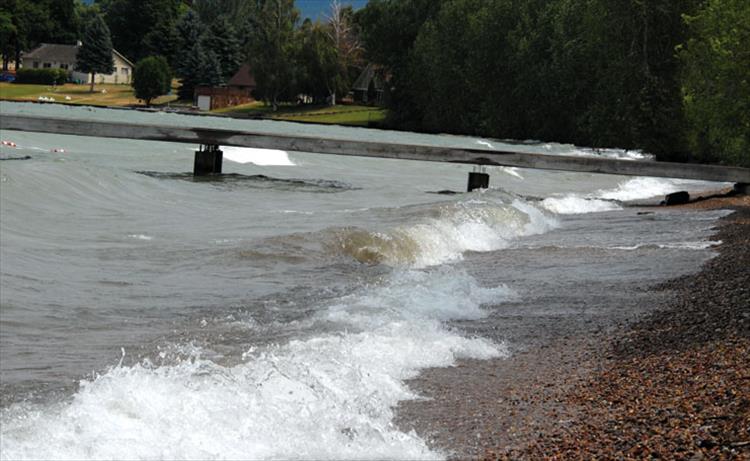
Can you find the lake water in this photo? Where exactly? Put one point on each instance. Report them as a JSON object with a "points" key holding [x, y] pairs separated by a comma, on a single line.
{"points": [[276, 312]]}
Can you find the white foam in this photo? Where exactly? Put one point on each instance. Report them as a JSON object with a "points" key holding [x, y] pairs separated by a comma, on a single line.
{"points": [[327, 397], [464, 226], [700, 245], [606, 200], [263, 157], [574, 204], [642, 188], [140, 237]]}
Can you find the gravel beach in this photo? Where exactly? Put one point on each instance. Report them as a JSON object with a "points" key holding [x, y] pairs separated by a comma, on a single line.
{"points": [[673, 383]]}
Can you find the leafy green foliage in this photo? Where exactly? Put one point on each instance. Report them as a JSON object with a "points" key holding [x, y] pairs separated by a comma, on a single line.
{"points": [[717, 82], [273, 48], [152, 78], [42, 76]]}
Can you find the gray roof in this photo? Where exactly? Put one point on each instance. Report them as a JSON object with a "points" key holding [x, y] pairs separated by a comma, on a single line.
{"points": [[51, 52], [368, 75]]}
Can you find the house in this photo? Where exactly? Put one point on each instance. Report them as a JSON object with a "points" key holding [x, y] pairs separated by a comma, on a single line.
{"points": [[239, 90], [369, 88], [243, 80], [54, 56]]}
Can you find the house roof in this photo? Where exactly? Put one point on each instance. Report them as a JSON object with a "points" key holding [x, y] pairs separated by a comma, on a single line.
{"points": [[52, 52], [61, 53], [243, 77], [368, 75]]}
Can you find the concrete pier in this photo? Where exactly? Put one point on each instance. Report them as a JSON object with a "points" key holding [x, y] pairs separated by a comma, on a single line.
{"points": [[208, 160]]}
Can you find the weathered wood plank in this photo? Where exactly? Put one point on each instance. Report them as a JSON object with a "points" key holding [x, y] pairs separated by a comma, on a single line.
{"points": [[196, 135]]}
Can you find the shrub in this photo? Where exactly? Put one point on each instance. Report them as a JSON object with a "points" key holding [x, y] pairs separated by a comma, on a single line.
{"points": [[42, 76], [152, 78]]}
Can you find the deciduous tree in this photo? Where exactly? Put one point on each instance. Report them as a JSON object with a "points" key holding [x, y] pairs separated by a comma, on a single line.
{"points": [[152, 78]]}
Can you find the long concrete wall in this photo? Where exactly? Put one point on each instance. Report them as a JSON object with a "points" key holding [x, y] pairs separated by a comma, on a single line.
{"points": [[196, 135]]}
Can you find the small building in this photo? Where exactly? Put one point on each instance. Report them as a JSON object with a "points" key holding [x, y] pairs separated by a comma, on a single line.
{"points": [[239, 90], [54, 56], [369, 88], [243, 79]]}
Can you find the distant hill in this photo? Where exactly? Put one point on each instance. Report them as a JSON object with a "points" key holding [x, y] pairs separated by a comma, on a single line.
{"points": [[313, 9]]}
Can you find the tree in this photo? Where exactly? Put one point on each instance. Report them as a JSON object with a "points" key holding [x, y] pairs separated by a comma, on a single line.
{"points": [[152, 78], [133, 23], [8, 32], [221, 39], [95, 54], [716, 82], [190, 54], [345, 42], [273, 46]]}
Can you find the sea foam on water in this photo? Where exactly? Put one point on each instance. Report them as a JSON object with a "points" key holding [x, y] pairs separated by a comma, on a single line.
{"points": [[329, 396]]}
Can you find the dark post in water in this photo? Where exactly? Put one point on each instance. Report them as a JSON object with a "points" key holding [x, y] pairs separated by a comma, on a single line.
{"points": [[478, 180], [207, 160]]}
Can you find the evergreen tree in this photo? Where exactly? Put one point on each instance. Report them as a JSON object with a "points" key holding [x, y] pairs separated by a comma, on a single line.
{"points": [[222, 40], [133, 21], [151, 78], [164, 41], [95, 54], [209, 69], [189, 55]]}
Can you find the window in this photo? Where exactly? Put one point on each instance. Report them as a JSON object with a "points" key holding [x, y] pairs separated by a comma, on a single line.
{"points": [[64, 66], [36, 65], [124, 71], [47, 65]]}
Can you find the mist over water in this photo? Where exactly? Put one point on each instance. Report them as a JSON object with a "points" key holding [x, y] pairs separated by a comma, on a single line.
{"points": [[276, 312]]}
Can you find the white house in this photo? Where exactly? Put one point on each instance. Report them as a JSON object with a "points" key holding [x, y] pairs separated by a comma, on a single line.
{"points": [[53, 56]]}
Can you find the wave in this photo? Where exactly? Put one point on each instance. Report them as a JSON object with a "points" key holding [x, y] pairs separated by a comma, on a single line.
{"points": [[329, 396], [474, 225], [640, 188]]}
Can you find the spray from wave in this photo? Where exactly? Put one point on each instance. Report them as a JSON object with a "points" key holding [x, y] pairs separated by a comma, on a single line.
{"points": [[475, 225], [326, 397]]}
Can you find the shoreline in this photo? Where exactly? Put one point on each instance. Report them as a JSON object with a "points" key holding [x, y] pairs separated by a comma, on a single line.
{"points": [[673, 382]]}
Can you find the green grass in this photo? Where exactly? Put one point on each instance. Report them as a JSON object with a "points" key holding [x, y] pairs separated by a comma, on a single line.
{"points": [[70, 93], [354, 115]]}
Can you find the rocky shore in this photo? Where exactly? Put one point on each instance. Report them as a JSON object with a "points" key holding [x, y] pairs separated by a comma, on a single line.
{"points": [[675, 384]]}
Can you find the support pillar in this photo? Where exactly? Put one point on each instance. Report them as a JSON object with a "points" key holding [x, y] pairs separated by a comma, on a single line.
{"points": [[478, 180], [741, 188], [208, 160]]}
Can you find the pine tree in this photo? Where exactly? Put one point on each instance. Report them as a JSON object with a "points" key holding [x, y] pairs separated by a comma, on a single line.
{"points": [[222, 39], [189, 54], [95, 55]]}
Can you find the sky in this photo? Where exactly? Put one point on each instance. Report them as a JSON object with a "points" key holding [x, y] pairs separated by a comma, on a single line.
{"points": [[313, 9], [318, 9]]}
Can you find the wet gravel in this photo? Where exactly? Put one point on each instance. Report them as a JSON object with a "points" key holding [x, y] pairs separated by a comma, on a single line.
{"points": [[671, 381]]}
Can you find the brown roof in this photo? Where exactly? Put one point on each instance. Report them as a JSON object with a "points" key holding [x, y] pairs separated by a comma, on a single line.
{"points": [[243, 78], [51, 52]]}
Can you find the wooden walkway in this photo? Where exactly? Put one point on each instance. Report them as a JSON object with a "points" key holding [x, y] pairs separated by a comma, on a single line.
{"points": [[207, 136]]}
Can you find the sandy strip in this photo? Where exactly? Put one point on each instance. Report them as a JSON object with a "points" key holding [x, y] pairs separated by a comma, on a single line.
{"points": [[674, 385]]}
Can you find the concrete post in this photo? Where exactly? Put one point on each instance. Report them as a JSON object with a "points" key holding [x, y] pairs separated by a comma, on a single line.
{"points": [[478, 181], [208, 160]]}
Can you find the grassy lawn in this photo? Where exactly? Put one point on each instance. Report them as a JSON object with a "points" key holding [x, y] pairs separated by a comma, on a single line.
{"points": [[70, 93], [341, 114]]}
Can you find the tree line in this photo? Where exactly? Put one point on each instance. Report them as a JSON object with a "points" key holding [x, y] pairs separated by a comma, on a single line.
{"points": [[671, 77], [205, 43]]}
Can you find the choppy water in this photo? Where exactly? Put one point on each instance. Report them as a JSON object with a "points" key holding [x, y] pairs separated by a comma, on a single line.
{"points": [[276, 313]]}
